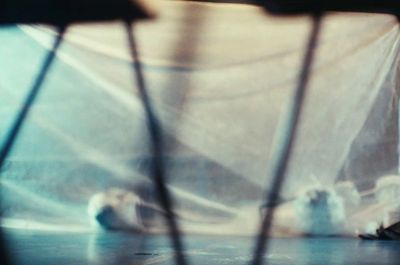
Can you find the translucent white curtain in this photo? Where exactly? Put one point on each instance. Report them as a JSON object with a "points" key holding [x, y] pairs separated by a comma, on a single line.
{"points": [[220, 77]]}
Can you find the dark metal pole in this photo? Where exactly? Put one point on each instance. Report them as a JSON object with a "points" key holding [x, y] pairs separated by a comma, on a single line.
{"points": [[288, 135], [30, 99], [156, 136]]}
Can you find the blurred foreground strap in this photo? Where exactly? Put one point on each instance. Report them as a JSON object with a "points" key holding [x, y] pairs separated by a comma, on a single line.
{"points": [[59, 12], [293, 7]]}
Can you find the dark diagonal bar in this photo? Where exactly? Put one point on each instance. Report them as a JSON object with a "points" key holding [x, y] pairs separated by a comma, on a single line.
{"points": [[156, 136], [288, 135], [16, 127]]}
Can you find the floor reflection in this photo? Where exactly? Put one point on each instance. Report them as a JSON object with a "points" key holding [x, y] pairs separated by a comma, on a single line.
{"points": [[34, 248]]}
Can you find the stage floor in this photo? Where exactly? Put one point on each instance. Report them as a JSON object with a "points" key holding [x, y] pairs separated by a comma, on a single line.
{"points": [[51, 248]]}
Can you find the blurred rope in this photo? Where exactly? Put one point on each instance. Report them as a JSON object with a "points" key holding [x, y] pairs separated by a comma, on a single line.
{"points": [[285, 145], [156, 136], [16, 127]]}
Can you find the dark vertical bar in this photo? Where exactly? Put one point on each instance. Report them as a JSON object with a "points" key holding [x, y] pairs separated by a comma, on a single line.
{"points": [[30, 99], [156, 136], [282, 156]]}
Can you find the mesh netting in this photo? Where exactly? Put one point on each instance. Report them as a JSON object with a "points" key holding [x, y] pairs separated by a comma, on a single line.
{"points": [[220, 79]]}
